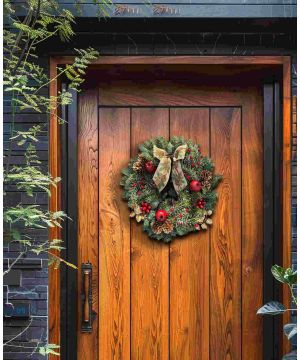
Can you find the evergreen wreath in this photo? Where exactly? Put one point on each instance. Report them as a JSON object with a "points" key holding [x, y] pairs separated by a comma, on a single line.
{"points": [[170, 187]]}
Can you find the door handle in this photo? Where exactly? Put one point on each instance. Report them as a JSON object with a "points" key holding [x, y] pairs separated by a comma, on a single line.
{"points": [[88, 315]]}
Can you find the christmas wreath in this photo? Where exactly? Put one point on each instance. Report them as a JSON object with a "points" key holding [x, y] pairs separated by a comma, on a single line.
{"points": [[170, 187]]}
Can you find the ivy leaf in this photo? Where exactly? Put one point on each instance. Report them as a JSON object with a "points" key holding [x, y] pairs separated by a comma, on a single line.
{"points": [[272, 308]]}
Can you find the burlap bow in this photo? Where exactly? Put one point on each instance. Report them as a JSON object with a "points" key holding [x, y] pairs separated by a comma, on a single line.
{"points": [[163, 171]]}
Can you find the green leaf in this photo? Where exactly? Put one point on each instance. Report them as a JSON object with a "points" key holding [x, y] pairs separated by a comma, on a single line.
{"points": [[69, 264], [278, 273], [154, 204], [285, 276], [48, 349], [290, 276], [290, 356], [272, 308], [290, 330]]}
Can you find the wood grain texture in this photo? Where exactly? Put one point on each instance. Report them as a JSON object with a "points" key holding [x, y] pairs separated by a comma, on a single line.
{"points": [[55, 146], [54, 205], [88, 212], [225, 266], [114, 236], [189, 260], [158, 93], [252, 223], [149, 262], [182, 59]]}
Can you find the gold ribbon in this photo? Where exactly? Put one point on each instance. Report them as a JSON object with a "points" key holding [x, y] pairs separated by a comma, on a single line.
{"points": [[163, 171]]}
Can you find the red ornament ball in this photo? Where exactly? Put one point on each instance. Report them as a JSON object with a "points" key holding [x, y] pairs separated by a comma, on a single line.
{"points": [[161, 215], [195, 186], [150, 167]]}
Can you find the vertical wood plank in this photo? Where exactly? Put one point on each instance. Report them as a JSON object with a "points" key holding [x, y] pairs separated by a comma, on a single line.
{"points": [[287, 188], [225, 278], [114, 236], [54, 205], [189, 261], [88, 211], [252, 222], [149, 261]]}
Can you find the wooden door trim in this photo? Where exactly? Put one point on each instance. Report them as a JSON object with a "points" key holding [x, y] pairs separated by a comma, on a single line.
{"points": [[55, 156]]}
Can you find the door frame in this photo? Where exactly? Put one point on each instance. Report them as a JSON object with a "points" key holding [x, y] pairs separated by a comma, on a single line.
{"points": [[56, 157]]}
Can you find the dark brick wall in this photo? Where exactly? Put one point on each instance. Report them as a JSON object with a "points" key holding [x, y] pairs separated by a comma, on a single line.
{"points": [[27, 282], [235, 37]]}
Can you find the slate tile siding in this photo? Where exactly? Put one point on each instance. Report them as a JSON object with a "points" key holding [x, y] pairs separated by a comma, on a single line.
{"points": [[184, 8], [201, 38]]}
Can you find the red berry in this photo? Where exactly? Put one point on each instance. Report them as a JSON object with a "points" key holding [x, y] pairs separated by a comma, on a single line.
{"points": [[161, 215], [195, 186], [200, 203], [145, 207]]}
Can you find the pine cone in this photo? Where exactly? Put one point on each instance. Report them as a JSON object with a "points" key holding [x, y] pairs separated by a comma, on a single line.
{"points": [[165, 227], [139, 164], [206, 184], [206, 175]]}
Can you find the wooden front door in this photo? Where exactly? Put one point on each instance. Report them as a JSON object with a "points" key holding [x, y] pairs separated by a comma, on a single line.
{"points": [[195, 299]]}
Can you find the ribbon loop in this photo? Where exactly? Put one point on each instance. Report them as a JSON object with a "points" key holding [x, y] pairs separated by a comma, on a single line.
{"points": [[163, 171]]}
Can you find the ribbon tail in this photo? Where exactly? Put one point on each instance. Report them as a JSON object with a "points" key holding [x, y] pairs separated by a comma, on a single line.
{"points": [[162, 173], [178, 178]]}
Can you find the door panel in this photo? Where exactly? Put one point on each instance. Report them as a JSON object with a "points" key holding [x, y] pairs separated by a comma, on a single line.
{"points": [[189, 259], [225, 261], [192, 299], [114, 235], [149, 260], [252, 225], [88, 204]]}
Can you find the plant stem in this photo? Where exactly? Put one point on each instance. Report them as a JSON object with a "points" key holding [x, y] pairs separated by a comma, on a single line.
{"points": [[14, 262], [19, 334], [294, 299]]}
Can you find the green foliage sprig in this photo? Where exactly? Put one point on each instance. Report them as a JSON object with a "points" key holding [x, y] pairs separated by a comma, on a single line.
{"points": [[26, 84], [288, 277]]}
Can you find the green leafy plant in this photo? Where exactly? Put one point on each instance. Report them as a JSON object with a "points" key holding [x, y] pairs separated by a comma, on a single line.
{"points": [[26, 85], [287, 277]]}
